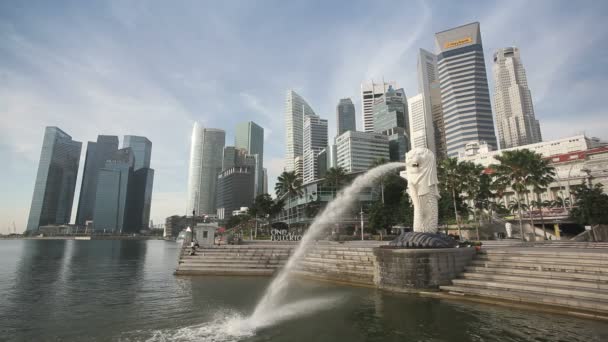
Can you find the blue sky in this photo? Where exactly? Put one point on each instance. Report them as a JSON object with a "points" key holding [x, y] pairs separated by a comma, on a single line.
{"points": [[152, 68]]}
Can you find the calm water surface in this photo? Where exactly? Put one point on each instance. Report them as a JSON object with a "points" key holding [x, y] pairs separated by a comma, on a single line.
{"points": [[125, 291]]}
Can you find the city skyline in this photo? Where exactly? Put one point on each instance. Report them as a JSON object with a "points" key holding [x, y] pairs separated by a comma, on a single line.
{"points": [[104, 85]]}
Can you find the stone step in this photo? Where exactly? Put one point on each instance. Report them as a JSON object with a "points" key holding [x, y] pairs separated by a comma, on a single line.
{"points": [[234, 261], [521, 296], [538, 280], [546, 252], [541, 259], [229, 266], [215, 271], [357, 261], [541, 266], [545, 290], [234, 256], [335, 266], [351, 278], [549, 274]]}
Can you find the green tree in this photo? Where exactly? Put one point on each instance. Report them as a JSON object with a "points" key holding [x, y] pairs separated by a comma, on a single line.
{"points": [[451, 179], [591, 205], [336, 178], [290, 185], [516, 168], [471, 175], [381, 179]]}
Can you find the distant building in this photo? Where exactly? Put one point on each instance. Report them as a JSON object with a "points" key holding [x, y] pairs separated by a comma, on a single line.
{"points": [[345, 116], [513, 107], [250, 136], [421, 123], [112, 202], [465, 97], [296, 108], [327, 159], [142, 150], [315, 139], [228, 157], [299, 166], [175, 224], [391, 119], [55, 180], [265, 189], [369, 92], [234, 190], [357, 151], [96, 156], [206, 156], [428, 87]]}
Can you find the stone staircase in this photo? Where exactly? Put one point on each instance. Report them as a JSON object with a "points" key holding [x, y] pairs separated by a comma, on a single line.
{"points": [[346, 264], [256, 259], [575, 279]]}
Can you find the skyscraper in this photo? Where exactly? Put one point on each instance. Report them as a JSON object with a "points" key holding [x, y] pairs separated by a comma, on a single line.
{"points": [[315, 139], [345, 116], [265, 188], [142, 150], [421, 123], [250, 136], [465, 98], [369, 92], [112, 200], [235, 189], [513, 107], [55, 180], [296, 109], [206, 155], [357, 151], [428, 87], [97, 154], [391, 119]]}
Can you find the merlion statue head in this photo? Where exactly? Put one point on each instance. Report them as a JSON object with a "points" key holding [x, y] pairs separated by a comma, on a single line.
{"points": [[421, 169]]}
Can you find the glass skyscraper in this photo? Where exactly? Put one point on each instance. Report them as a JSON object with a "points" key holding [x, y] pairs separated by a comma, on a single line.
{"points": [[296, 108], [140, 189], [390, 113], [465, 97], [345, 116], [55, 180], [250, 136], [97, 154], [142, 150], [112, 196]]}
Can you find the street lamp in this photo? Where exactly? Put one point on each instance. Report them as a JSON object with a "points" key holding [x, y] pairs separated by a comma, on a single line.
{"points": [[361, 213]]}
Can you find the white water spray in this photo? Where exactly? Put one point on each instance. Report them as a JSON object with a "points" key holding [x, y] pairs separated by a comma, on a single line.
{"points": [[268, 309]]}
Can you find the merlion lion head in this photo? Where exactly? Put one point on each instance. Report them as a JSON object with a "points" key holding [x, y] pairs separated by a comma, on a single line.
{"points": [[420, 167]]}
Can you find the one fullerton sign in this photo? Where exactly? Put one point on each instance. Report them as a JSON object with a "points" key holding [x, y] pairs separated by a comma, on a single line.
{"points": [[458, 42]]}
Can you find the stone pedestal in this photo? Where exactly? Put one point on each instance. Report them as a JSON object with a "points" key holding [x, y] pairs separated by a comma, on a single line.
{"points": [[413, 270]]}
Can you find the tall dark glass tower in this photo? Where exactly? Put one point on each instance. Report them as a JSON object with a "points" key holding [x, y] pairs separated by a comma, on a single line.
{"points": [[55, 180], [250, 136], [345, 116], [142, 150], [97, 154], [140, 187], [112, 198]]}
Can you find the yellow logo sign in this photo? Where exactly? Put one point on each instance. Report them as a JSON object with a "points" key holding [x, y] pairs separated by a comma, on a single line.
{"points": [[458, 42]]}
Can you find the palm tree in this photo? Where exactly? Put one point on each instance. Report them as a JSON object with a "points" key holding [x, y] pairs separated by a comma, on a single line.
{"points": [[290, 185], [382, 179], [335, 177], [516, 169], [542, 174], [451, 177], [471, 185]]}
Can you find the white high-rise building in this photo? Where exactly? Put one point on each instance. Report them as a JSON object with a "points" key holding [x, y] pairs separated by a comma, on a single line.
{"points": [[315, 140], [206, 155], [296, 109], [513, 107], [465, 98], [421, 123], [357, 151], [428, 86], [369, 92]]}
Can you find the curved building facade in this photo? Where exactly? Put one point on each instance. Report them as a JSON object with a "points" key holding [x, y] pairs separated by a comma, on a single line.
{"points": [[295, 110], [206, 154]]}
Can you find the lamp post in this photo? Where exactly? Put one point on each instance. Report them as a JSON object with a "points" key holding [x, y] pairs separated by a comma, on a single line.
{"points": [[361, 213]]}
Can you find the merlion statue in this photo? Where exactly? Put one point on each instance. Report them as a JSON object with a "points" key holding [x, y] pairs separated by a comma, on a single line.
{"points": [[422, 186], [421, 175]]}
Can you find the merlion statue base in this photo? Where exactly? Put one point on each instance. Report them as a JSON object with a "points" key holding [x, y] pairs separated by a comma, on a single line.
{"points": [[423, 240]]}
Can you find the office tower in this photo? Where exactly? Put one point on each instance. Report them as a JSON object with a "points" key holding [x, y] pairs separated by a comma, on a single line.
{"points": [[140, 188], [250, 136], [206, 155], [298, 164], [428, 87], [465, 98], [142, 150], [357, 151], [369, 92], [345, 116], [55, 180], [326, 159], [265, 188], [322, 163], [235, 189], [391, 119], [315, 139], [228, 157], [296, 109], [513, 107], [97, 154], [421, 123], [112, 202]]}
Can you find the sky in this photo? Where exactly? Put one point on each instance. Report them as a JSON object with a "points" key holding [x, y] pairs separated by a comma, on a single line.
{"points": [[153, 68]]}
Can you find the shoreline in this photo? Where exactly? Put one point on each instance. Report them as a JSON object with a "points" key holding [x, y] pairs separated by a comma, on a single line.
{"points": [[82, 238]]}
